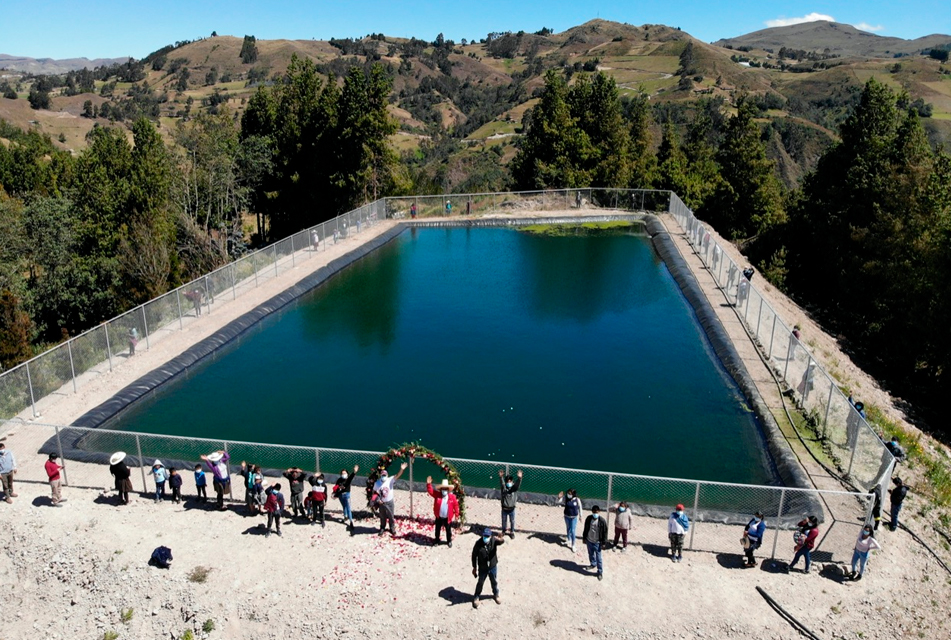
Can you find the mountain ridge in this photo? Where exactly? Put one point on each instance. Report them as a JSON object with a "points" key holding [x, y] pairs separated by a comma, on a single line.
{"points": [[838, 38], [40, 66]]}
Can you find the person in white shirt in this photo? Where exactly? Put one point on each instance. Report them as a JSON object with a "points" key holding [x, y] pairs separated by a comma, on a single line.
{"points": [[384, 498], [863, 546]]}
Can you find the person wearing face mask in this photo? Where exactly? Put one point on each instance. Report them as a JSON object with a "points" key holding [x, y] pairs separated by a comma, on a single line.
{"points": [[863, 546], [296, 478], [677, 526], [385, 498], [342, 493], [485, 562], [445, 507], [595, 535], [509, 488], [572, 505], [317, 499], [753, 534], [805, 542], [623, 523]]}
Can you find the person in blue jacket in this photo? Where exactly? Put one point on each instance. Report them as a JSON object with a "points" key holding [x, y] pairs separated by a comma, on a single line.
{"points": [[753, 533]]}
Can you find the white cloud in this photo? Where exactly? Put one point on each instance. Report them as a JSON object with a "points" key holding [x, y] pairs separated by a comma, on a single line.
{"points": [[788, 22], [864, 26]]}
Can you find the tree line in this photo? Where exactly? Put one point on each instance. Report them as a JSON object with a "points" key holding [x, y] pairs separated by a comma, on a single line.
{"points": [[85, 237], [863, 242]]}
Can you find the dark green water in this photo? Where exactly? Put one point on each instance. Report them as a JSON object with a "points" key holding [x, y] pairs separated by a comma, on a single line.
{"points": [[489, 344]]}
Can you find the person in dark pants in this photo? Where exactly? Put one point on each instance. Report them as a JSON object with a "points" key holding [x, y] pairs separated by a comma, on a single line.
{"points": [[754, 532], [296, 477], [175, 483], [485, 562], [509, 487], [274, 506], [445, 507], [120, 471], [896, 497], [201, 484], [877, 505], [805, 542], [595, 534], [218, 463]]}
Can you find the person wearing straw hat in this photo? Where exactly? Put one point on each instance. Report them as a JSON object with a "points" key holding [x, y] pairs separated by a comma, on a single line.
{"points": [[120, 471], [218, 463], [445, 507]]}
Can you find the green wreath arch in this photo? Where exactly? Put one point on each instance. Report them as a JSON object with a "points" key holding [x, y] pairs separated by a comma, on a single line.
{"points": [[416, 450]]}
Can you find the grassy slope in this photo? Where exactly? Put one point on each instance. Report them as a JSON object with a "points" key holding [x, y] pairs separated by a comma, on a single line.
{"points": [[641, 59]]}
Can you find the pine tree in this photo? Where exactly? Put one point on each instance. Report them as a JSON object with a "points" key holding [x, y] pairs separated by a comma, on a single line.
{"points": [[749, 200]]}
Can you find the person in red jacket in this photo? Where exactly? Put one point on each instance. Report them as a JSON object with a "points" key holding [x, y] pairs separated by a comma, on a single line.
{"points": [[274, 507], [805, 541], [52, 472], [445, 507]]}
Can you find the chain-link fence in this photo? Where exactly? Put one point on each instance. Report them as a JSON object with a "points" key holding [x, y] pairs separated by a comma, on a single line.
{"points": [[718, 511], [857, 450], [855, 447], [66, 368]]}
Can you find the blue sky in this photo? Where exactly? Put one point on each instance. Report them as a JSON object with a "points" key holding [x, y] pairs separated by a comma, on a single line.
{"points": [[108, 28]]}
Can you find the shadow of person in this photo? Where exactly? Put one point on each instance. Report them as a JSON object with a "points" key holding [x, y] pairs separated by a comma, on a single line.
{"points": [[656, 550], [255, 530], [550, 538], [731, 561], [835, 572], [453, 596], [421, 539], [43, 501], [568, 565]]}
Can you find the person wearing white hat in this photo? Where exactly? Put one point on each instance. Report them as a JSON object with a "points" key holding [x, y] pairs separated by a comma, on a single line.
{"points": [[445, 507], [160, 474], [218, 463], [120, 471]]}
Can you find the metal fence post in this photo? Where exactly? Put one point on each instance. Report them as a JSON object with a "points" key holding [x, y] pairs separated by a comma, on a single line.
{"points": [[275, 259], [825, 420], [234, 294], [178, 297], [29, 383], [759, 317], [210, 294], [411, 486], [848, 474], [779, 515], [696, 504], [105, 328], [72, 367], [138, 448], [255, 267], [789, 352], [607, 507], [293, 250], [317, 461], [772, 336], [59, 449], [145, 328]]}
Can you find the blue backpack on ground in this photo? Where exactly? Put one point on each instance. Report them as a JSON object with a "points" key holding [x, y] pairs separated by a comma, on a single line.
{"points": [[161, 558]]}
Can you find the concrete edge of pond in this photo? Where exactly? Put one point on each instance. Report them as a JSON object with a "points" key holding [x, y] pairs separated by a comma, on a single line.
{"points": [[787, 467]]}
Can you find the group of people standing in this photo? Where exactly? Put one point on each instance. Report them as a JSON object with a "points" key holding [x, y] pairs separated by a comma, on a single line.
{"points": [[310, 496]]}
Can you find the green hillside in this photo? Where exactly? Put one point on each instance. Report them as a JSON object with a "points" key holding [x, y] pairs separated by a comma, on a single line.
{"points": [[477, 93]]}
